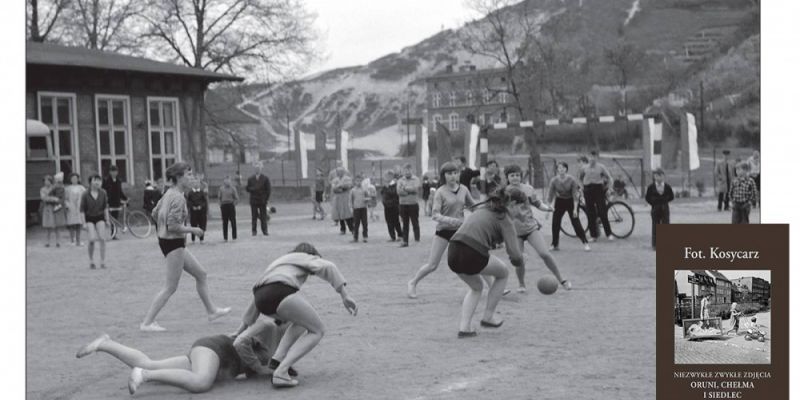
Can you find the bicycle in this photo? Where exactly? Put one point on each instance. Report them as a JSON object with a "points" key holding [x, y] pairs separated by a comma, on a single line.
{"points": [[620, 218], [137, 222]]}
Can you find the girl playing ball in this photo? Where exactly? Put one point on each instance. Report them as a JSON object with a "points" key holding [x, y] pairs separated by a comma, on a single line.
{"points": [[448, 212], [528, 228]]}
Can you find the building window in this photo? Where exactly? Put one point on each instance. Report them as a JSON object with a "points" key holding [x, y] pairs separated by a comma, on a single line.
{"points": [[502, 97], [437, 100], [470, 119], [437, 119], [453, 122], [38, 147], [57, 111], [486, 96], [113, 133], [470, 98], [481, 120], [487, 117], [452, 99], [164, 134]]}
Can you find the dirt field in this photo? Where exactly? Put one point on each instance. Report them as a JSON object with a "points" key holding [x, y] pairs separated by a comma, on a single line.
{"points": [[597, 341]]}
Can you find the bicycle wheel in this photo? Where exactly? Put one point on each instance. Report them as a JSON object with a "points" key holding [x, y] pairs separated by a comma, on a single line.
{"points": [[113, 229], [566, 224], [139, 224], [621, 219]]}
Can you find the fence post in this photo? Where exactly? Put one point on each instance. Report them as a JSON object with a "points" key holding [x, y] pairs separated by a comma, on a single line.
{"points": [[380, 165], [283, 177], [643, 182]]}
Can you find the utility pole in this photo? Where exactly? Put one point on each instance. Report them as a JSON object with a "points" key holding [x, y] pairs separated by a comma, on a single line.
{"points": [[702, 110], [408, 126], [288, 134]]}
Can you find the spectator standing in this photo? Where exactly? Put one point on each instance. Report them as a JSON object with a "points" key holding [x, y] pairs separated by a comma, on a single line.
{"points": [[259, 187], [408, 188], [151, 196], [48, 203], [595, 178], [358, 198], [113, 187], [391, 206], [197, 202], [563, 194], [341, 211], [755, 169], [317, 195], [493, 178], [228, 199], [658, 195], [466, 175], [372, 198], [743, 195], [72, 200], [426, 193], [723, 176]]}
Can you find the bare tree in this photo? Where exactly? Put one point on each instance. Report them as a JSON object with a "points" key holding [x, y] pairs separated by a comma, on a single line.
{"points": [[104, 24], [42, 17], [625, 59], [505, 34], [261, 39]]}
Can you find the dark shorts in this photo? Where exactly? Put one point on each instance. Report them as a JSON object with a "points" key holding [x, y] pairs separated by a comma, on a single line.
{"points": [[268, 297], [446, 234], [463, 259], [229, 362], [94, 219], [524, 237], [167, 245], [318, 196]]}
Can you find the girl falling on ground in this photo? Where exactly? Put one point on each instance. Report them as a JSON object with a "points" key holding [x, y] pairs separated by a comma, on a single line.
{"points": [[528, 228], [468, 255], [170, 215], [277, 294], [211, 359], [448, 212]]}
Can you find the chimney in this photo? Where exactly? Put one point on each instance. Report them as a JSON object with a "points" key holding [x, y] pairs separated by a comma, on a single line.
{"points": [[449, 68]]}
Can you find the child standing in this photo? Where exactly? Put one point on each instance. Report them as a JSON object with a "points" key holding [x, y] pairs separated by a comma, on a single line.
{"points": [[391, 206], [73, 194], [358, 198], [742, 195], [407, 188], [228, 198], [317, 197], [197, 202], [658, 195], [372, 198]]}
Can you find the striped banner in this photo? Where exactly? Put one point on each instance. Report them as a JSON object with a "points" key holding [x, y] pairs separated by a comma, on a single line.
{"points": [[301, 148], [577, 120], [344, 138], [474, 131]]}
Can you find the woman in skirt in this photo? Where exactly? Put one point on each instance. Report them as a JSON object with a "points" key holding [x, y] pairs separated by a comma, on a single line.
{"points": [[277, 294], [448, 212]]}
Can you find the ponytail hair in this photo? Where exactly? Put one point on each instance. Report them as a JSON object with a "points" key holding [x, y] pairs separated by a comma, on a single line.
{"points": [[499, 199]]}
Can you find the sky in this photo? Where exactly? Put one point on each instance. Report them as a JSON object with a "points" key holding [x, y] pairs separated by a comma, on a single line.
{"points": [[355, 32]]}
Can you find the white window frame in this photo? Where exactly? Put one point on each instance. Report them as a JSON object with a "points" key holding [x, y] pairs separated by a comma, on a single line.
{"points": [[487, 97], [98, 97], [177, 114], [470, 98], [437, 100], [453, 123], [452, 99], [436, 118], [502, 97], [48, 157], [55, 150]]}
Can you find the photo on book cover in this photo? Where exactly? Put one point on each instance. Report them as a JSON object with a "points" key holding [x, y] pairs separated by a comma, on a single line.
{"points": [[484, 178]]}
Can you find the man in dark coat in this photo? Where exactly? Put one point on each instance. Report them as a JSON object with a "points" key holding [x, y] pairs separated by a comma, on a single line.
{"points": [[259, 188], [113, 187]]}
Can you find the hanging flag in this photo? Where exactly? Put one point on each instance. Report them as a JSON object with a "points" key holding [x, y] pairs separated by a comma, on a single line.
{"points": [[694, 157], [344, 138], [301, 148], [656, 132], [472, 157], [424, 152]]}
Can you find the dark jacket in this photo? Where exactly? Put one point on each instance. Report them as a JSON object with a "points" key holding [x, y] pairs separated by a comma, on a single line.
{"points": [[259, 189], [151, 197], [114, 192], [465, 178], [196, 200], [654, 199], [389, 195]]}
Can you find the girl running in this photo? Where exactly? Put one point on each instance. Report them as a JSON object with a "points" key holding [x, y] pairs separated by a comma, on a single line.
{"points": [[211, 358], [528, 227], [566, 191], [170, 215], [448, 211], [72, 200], [276, 294], [94, 213], [468, 255]]}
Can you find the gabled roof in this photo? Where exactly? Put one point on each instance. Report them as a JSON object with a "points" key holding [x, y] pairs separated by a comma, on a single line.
{"points": [[57, 55], [719, 276], [221, 108]]}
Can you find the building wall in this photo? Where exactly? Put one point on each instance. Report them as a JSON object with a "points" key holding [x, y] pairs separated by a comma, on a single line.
{"points": [[86, 85]]}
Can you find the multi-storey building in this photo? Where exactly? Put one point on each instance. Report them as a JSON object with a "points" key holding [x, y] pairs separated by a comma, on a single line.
{"points": [[463, 95], [722, 292], [758, 289]]}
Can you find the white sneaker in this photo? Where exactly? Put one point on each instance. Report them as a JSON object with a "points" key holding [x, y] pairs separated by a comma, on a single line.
{"points": [[586, 247], [135, 379], [219, 313], [152, 327], [91, 348], [522, 289], [610, 238], [553, 248], [566, 284]]}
